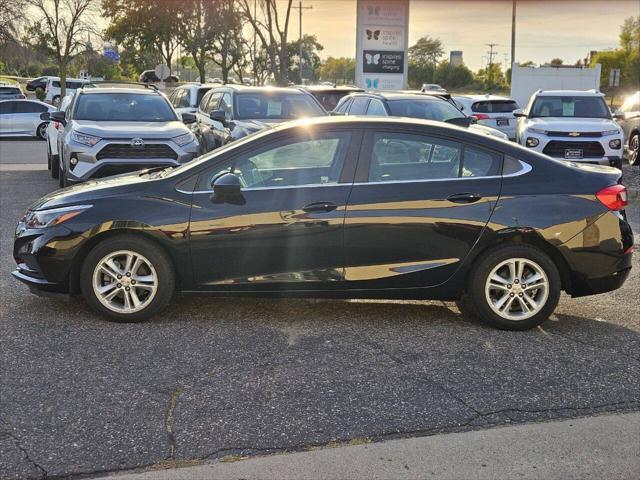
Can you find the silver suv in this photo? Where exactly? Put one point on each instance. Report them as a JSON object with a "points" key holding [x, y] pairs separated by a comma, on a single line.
{"points": [[108, 131]]}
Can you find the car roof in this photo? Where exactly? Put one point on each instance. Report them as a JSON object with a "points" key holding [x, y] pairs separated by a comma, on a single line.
{"points": [[573, 93], [27, 100]]}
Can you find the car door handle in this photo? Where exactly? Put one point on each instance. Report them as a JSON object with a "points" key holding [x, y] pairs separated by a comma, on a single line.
{"points": [[320, 207], [464, 198]]}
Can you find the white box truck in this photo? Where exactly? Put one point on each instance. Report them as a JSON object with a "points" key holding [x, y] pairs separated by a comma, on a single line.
{"points": [[527, 80]]}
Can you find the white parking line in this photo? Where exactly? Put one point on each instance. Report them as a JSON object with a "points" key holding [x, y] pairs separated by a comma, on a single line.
{"points": [[22, 167]]}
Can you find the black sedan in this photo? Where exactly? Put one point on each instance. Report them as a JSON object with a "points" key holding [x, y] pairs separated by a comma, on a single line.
{"points": [[339, 207]]}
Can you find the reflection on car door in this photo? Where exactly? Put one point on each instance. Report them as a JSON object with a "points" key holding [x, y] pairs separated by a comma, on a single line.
{"points": [[286, 230], [8, 123], [418, 205]]}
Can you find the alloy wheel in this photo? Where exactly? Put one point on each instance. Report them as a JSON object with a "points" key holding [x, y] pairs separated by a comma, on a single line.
{"points": [[517, 289], [634, 146], [42, 131], [125, 281]]}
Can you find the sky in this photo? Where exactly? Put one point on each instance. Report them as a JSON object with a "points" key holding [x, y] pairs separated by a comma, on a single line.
{"points": [[545, 29]]}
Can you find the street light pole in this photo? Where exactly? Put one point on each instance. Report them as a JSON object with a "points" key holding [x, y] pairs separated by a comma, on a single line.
{"points": [[300, 8]]}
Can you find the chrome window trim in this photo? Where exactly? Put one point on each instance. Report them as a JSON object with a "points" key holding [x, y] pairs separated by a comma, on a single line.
{"points": [[526, 168]]}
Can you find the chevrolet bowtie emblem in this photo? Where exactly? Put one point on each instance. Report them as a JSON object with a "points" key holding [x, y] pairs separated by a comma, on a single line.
{"points": [[574, 134]]}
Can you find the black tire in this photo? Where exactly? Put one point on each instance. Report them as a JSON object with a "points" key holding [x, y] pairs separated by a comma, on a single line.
{"points": [[48, 156], [41, 131], [483, 267], [55, 166], [134, 243]]}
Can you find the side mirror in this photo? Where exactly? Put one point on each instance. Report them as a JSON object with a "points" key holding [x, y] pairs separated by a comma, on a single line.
{"points": [[519, 113], [219, 116], [57, 117], [460, 121], [226, 188], [44, 116], [188, 118]]}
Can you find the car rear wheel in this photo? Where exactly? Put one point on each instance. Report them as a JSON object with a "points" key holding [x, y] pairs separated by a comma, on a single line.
{"points": [[515, 287], [127, 279], [41, 131], [62, 176]]}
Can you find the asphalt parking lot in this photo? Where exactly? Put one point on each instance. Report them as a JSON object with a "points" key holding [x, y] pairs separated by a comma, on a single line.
{"points": [[216, 377]]}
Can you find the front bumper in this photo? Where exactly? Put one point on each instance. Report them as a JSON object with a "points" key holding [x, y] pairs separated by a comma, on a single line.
{"points": [[93, 163], [605, 155]]}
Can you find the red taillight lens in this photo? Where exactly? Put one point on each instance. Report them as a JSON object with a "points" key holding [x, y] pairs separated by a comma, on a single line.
{"points": [[613, 197], [481, 116]]}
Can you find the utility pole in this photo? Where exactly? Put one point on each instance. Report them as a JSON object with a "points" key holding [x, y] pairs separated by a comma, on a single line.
{"points": [[255, 58], [300, 8], [491, 53], [513, 33]]}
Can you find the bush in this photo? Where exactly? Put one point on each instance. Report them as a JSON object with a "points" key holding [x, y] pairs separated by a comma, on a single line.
{"points": [[51, 71]]}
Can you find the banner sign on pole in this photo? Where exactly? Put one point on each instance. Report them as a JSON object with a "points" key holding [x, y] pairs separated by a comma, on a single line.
{"points": [[382, 37]]}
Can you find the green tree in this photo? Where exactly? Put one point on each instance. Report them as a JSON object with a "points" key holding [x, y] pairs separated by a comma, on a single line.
{"points": [[556, 62], [426, 51], [338, 70], [149, 25], [626, 58], [11, 15], [229, 48], [310, 59], [423, 58], [451, 77], [199, 22]]}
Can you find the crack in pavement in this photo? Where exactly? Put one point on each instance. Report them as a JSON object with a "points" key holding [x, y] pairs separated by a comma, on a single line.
{"points": [[19, 446], [591, 345], [173, 401]]}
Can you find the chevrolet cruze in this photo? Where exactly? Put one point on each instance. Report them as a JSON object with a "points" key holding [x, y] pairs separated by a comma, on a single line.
{"points": [[343, 207]]}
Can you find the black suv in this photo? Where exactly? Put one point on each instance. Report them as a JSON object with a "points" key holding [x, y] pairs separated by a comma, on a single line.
{"points": [[235, 111]]}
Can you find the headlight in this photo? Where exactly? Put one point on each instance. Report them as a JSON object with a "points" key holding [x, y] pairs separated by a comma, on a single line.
{"points": [[532, 142], [55, 216], [615, 144], [84, 139], [610, 132], [182, 140], [537, 130]]}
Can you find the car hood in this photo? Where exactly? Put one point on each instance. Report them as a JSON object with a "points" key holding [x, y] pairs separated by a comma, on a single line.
{"points": [[92, 190], [155, 130], [557, 124]]}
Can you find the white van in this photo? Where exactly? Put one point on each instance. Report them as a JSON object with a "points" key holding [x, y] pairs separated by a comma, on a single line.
{"points": [[52, 94]]}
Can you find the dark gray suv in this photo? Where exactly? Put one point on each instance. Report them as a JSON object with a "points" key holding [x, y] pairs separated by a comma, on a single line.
{"points": [[108, 131]]}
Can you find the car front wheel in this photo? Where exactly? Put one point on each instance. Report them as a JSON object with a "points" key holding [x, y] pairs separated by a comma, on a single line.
{"points": [[41, 131], [515, 287], [127, 279]]}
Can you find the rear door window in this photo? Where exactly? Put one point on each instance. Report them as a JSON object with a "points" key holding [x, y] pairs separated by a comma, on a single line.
{"points": [[359, 106], [495, 106], [30, 107]]}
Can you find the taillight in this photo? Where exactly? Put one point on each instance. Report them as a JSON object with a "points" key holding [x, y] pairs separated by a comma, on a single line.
{"points": [[613, 197], [481, 116], [22, 96]]}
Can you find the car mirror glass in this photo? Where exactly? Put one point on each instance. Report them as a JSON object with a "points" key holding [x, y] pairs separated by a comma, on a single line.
{"points": [[188, 118], [518, 113], [44, 116], [219, 116]]}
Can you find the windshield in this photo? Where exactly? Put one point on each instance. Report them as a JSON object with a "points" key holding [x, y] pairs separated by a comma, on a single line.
{"points": [[329, 100], [124, 107], [426, 109], [276, 106], [571, 107]]}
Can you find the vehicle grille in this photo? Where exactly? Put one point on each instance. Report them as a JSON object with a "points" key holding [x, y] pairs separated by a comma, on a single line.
{"points": [[109, 170], [556, 148], [124, 150], [573, 134]]}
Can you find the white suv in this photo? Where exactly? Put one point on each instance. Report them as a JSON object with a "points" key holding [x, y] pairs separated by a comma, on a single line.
{"points": [[571, 125], [491, 111], [53, 89]]}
